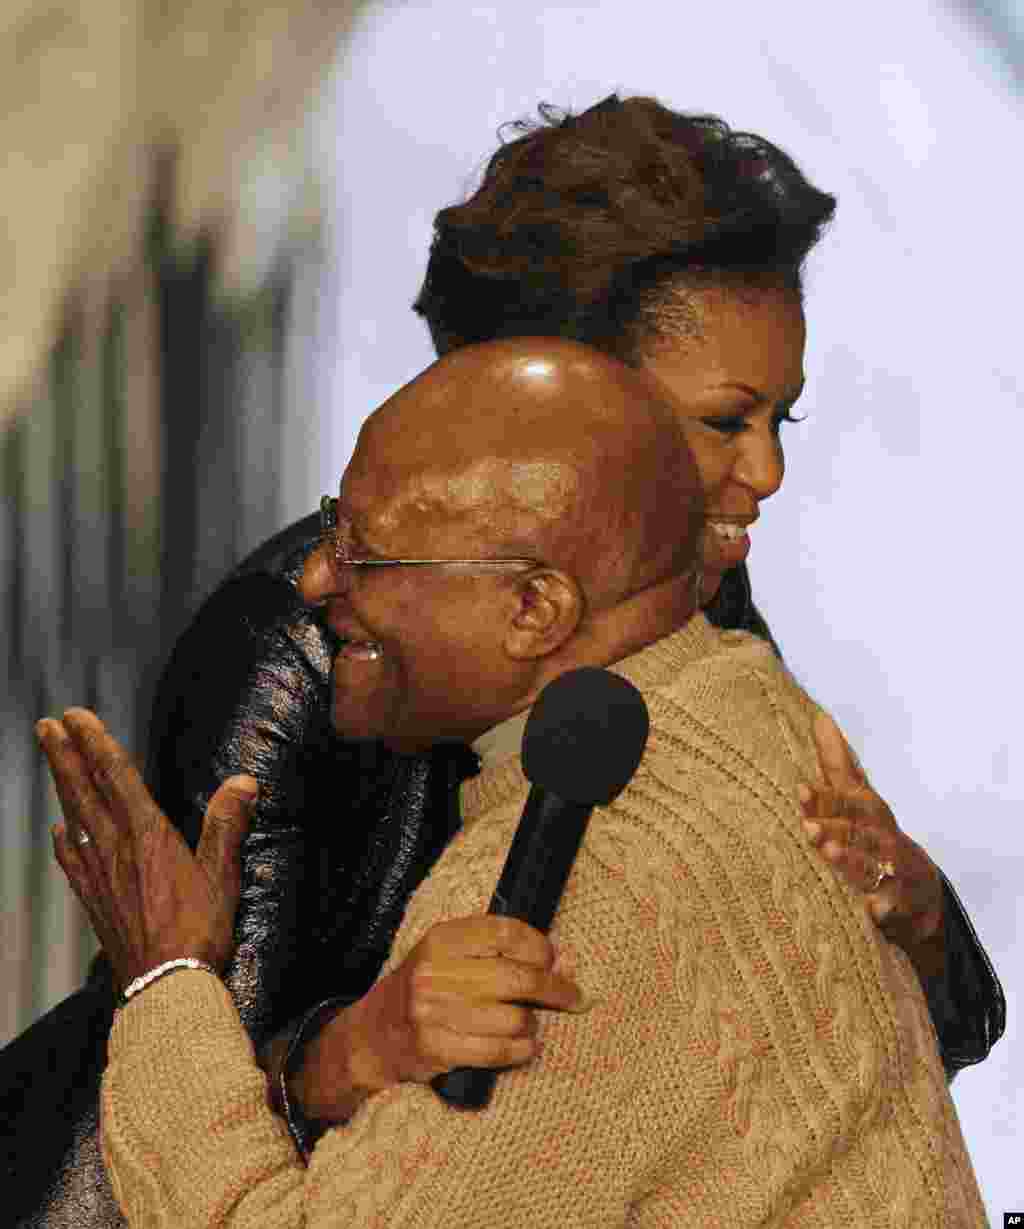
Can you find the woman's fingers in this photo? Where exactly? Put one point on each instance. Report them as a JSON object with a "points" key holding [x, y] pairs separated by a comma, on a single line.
{"points": [[840, 768], [851, 834], [860, 861], [860, 803]]}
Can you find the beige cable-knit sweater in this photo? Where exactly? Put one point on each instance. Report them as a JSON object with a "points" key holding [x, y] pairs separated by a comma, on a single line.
{"points": [[756, 1054]]}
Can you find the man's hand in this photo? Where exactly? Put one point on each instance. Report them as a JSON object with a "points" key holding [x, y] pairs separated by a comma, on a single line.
{"points": [[855, 830], [462, 998], [149, 900]]}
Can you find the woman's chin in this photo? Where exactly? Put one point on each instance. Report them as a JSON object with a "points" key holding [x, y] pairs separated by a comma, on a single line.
{"points": [[710, 584]]}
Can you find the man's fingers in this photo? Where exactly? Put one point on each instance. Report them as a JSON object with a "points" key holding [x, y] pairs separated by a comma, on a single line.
{"points": [[558, 993], [497, 979], [79, 877], [470, 1017], [451, 1049], [485, 935], [113, 774], [224, 827], [79, 797], [67, 857]]}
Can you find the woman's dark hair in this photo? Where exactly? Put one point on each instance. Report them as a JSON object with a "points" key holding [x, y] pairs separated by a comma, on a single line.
{"points": [[588, 227], [595, 227]]}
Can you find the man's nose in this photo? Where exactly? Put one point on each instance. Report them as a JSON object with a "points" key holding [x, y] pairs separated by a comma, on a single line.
{"points": [[318, 580], [759, 463]]}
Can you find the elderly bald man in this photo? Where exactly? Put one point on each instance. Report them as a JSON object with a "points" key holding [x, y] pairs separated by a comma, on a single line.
{"points": [[738, 996], [543, 450]]}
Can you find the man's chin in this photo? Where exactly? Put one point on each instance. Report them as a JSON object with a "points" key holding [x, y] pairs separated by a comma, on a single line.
{"points": [[359, 726], [360, 732]]}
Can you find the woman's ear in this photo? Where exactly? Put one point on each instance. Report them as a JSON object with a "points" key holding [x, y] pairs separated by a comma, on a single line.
{"points": [[549, 609]]}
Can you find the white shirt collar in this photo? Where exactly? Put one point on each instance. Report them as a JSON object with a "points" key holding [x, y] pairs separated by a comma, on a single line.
{"points": [[503, 741]]}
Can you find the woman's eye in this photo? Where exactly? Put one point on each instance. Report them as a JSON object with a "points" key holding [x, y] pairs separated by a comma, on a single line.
{"points": [[735, 423], [727, 426], [781, 417]]}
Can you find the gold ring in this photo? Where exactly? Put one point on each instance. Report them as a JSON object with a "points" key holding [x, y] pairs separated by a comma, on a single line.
{"points": [[886, 870]]}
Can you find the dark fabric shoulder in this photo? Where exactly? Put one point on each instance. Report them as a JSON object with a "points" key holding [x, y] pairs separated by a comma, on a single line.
{"points": [[967, 1004]]}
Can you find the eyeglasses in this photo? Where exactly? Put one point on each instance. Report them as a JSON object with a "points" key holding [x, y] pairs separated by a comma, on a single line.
{"points": [[339, 538]]}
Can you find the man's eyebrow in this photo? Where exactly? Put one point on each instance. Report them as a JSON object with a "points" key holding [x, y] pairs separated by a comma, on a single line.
{"points": [[355, 537]]}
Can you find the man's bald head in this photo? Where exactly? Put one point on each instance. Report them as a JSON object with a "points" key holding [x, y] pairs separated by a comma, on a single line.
{"points": [[533, 447]]}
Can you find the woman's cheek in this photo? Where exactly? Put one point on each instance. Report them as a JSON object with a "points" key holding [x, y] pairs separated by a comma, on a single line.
{"points": [[711, 461]]}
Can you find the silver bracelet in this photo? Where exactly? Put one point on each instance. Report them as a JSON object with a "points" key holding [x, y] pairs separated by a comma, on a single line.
{"points": [[183, 962]]}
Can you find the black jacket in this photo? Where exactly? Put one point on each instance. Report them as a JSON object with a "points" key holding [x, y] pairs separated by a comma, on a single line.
{"points": [[341, 836]]}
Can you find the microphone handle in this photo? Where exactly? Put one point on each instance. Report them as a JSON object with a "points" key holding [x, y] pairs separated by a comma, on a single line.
{"points": [[531, 885]]}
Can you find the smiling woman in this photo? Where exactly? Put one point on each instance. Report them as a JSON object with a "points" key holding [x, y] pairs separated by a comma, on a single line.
{"points": [[675, 244]]}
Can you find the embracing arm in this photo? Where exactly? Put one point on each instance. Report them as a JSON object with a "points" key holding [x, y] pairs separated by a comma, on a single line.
{"points": [[917, 909], [965, 999]]}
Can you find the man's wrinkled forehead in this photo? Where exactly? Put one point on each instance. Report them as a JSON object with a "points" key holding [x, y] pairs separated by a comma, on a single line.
{"points": [[511, 431], [486, 499]]}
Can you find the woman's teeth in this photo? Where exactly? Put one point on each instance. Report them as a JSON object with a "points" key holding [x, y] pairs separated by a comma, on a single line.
{"points": [[732, 532]]}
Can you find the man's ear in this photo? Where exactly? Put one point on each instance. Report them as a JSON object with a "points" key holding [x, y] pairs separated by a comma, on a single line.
{"points": [[549, 609]]}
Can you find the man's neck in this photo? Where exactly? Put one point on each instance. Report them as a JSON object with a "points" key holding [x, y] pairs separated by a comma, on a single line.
{"points": [[622, 630]]}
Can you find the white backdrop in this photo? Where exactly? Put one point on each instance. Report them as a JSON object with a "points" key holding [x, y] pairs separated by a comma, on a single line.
{"points": [[888, 566]]}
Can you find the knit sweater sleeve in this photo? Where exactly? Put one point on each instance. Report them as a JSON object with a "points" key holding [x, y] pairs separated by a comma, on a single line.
{"points": [[569, 1141]]}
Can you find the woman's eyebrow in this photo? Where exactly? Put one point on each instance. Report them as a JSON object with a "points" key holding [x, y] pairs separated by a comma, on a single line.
{"points": [[784, 402]]}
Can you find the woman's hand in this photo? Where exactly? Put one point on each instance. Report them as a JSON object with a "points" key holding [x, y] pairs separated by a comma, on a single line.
{"points": [[855, 830], [463, 997], [148, 899]]}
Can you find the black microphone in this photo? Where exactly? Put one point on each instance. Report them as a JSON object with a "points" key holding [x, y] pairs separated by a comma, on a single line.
{"points": [[582, 744]]}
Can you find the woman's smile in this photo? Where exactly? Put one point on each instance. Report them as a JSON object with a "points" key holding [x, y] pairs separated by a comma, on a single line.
{"points": [[726, 544]]}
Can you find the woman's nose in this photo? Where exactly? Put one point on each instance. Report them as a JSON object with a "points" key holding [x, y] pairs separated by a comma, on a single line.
{"points": [[759, 463]]}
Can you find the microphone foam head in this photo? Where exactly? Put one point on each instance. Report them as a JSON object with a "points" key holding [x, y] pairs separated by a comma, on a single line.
{"points": [[585, 736]]}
